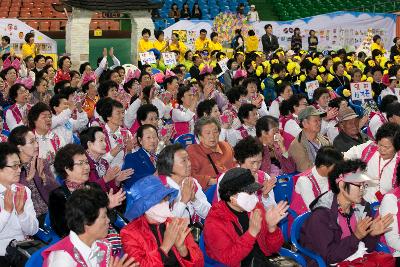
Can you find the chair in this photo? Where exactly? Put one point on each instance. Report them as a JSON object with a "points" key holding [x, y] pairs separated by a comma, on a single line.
{"points": [[36, 259], [284, 187], [380, 247], [374, 208], [76, 139], [210, 193], [44, 26], [47, 227], [119, 222], [295, 234], [208, 262], [185, 140], [293, 255]]}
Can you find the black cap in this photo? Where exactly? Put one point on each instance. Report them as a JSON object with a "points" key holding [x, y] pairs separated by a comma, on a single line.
{"points": [[239, 180]]}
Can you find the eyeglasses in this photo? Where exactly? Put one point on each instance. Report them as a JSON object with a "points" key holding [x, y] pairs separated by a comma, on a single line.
{"points": [[15, 167], [361, 186], [81, 163]]}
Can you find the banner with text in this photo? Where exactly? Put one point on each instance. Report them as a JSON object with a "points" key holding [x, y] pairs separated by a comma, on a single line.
{"points": [[334, 30], [16, 30]]}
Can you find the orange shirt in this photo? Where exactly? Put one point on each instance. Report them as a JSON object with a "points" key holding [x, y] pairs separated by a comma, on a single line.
{"points": [[89, 106], [202, 169]]}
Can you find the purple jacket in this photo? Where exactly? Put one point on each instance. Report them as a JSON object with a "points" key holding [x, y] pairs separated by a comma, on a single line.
{"points": [[287, 164], [321, 233]]}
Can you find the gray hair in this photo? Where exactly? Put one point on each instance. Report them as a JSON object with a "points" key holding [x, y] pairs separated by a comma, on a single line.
{"points": [[198, 127]]}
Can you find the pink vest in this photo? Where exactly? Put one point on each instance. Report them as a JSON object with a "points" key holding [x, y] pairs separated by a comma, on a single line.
{"points": [[297, 203], [395, 192], [67, 246], [124, 133], [135, 126], [181, 127], [342, 221], [366, 156], [371, 115], [243, 132], [16, 114], [287, 137]]}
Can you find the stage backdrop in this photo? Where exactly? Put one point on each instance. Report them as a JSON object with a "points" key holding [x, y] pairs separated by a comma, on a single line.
{"points": [[334, 30], [17, 29]]}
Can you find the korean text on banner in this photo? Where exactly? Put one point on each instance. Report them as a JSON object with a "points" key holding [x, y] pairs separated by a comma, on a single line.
{"points": [[169, 59], [361, 91], [147, 58]]}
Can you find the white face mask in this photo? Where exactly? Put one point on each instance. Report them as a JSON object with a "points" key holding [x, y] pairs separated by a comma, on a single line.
{"points": [[160, 212], [246, 201]]}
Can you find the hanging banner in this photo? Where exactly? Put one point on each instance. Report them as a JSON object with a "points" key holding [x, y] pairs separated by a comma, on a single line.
{"points": [[333, 30], [16, 30]]}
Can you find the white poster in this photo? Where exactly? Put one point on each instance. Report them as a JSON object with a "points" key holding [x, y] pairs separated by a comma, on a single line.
{"points": [[311, 87], [361, 91], [147, 58], [16, 30], [334, 30], [169, 59]]}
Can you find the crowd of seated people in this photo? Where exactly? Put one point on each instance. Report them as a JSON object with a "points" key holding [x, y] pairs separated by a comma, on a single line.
{"points": [[135, 166]]}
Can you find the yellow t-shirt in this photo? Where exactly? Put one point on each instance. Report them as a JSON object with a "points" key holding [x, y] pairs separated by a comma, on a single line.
{"points": [[251, 44], [214, 46], [201, 45], [28, 50], [144, 46], [160, 46], [181, 47], [379, 47]]}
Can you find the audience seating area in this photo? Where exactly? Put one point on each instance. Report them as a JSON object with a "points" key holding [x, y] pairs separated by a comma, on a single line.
{"points": [[209, 8], [40, 15], [293, 9]]}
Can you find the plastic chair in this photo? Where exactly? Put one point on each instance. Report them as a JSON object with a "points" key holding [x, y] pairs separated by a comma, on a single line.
{"points": [[284, 224], [210, 193], [119, 222], [380, 247], [185, 140], [293, 255], [294, 237], [36, 259], [76, 139], [47, 227], [357, 108], [339, 90], [208, 262], [374, 208], [284, 187]]}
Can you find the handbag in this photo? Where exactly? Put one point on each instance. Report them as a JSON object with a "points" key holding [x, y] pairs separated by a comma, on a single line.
{"points": [[196, 228], [269, 261], [19, 252], [374, 259]]}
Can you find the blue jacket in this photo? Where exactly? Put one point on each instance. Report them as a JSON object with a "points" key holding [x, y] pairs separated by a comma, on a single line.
{"points": [[140, 162]]}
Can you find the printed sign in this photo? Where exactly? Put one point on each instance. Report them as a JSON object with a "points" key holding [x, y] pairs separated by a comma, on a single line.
{"points": [[311, 87], [361, 91], [169, 59], [147, 58]]}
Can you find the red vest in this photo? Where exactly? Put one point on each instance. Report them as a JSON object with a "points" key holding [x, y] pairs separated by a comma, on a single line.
{"points": [[181, 127], [287, 137], [67, 246], [371, 115], [366, 156]]}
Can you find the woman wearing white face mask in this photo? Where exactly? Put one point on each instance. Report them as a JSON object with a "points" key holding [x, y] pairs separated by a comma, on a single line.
{"points": [[154, 237], [238, 230]]}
